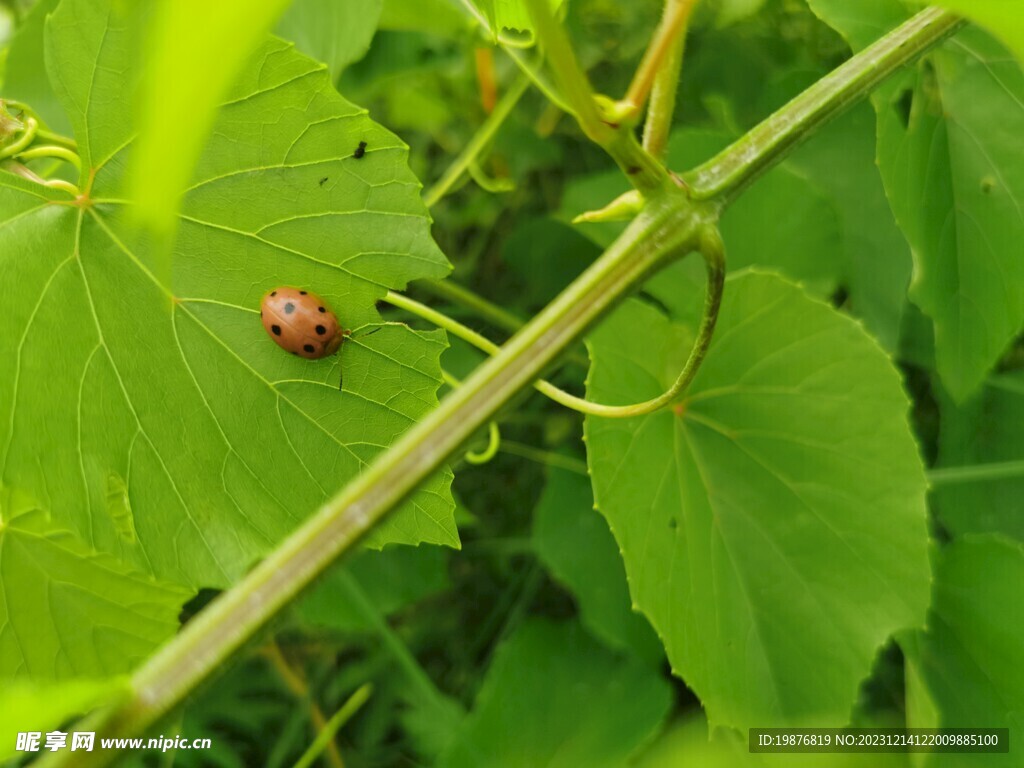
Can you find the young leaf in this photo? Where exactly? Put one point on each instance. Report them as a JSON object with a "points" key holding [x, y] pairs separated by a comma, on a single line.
{"points": [[574, 542], [220, 440], [784, 492], [949, 151], [555, 697], [67, 611], [966, 669]]}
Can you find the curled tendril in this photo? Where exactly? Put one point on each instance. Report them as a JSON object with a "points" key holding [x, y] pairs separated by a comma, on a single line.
{"points": [[713, 252]]}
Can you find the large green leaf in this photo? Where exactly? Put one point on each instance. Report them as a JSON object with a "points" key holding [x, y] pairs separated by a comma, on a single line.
{"points": [[336, 32], [949, 150], [555, 697], [967, 669], [68, 611], [786, 492], [985, 430], [574, 542], [168, 428]]}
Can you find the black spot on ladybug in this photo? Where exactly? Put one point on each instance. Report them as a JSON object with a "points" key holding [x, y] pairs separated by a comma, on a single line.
{"points": [[309, 348], [321, 309], [323, 180], [303, 293], [360, 150], [273, 293], [320, 330], [276, 329], [289, 308]]}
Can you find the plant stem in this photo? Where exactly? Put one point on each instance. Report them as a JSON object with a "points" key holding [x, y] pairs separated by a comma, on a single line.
{"points": [[731, 171], [659, 55], [457, 294], [478, 143], [548, 458], [976, 473], [669, 224], [712, 249], [300, 689], [325, 739], [425, 692], [666, 83]]}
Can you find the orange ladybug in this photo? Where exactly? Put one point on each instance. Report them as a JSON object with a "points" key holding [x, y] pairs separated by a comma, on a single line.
{"points": [[301, 323]]}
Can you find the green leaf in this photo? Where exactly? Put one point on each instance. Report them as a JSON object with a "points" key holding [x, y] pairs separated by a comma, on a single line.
{"points": [[391, 579], [983, 431], [574, 542], [785, 492], [68, 611], [25, 73], [221, 441], [949, 151], [555, 697], [332, 31], [1001, 17], [966, 668], [40, 708], [194, 50]]}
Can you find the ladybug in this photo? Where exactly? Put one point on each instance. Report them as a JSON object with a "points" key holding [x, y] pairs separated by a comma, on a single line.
{"points": [[301, 323]]}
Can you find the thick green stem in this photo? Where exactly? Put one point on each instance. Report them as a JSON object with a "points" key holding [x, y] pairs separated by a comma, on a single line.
{"points": [[731, 171], [666, 83]]}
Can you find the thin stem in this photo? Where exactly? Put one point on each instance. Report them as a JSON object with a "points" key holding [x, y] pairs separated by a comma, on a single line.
{"points": [[713, 252], [608, 130], [426, 691], [658, 56], [325, 739], [478, 143], [569, 75], [540, 456], [28, 135], [56, 138], [493, 444], [457, 294], [976, 473], [666, 83], [300, 689], [61, 153], [731, 171]]}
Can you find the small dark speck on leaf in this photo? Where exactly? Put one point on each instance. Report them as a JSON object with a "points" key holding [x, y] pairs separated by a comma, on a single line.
{"points": [[633, 170], [673, 523], [323, 180], [360, 150]]}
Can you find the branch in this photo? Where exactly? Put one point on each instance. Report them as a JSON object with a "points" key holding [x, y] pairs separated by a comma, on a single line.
{"points": [[731, 171]]}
